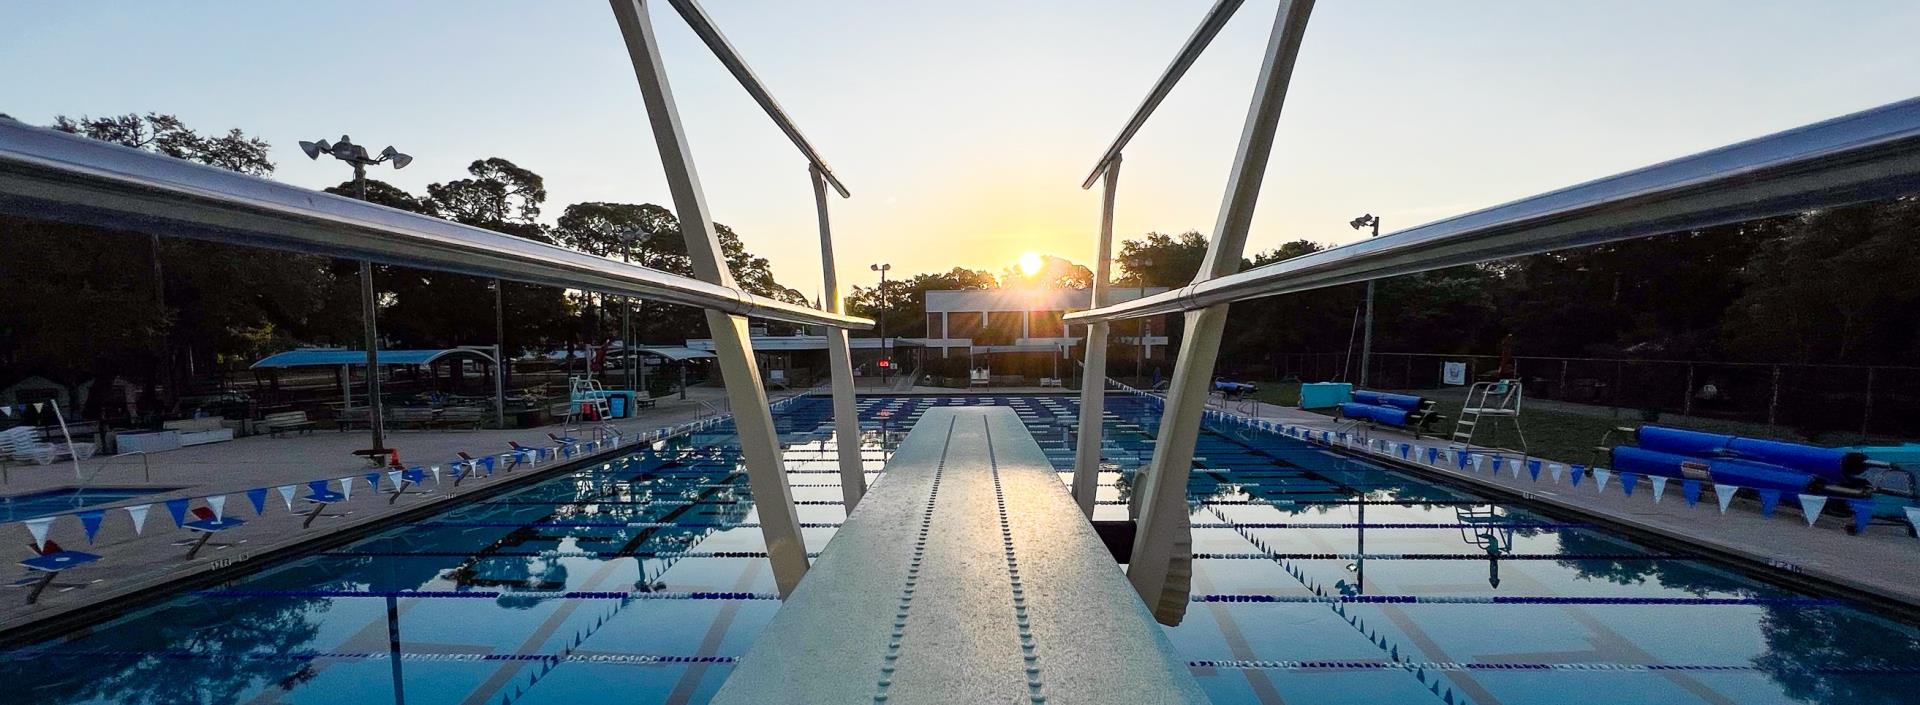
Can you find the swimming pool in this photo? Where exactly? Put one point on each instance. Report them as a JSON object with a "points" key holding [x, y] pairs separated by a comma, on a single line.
{"points": [[640, 580], [66, 499]]}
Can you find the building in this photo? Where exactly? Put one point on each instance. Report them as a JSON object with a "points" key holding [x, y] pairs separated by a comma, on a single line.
{"points": [[1018, 328]]}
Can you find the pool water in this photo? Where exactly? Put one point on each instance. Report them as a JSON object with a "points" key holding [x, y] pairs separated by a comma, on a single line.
{"points": [[66, 499], [1322, 579]]}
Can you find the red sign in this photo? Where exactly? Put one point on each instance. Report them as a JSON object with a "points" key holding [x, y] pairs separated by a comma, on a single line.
{"points": [[885, 363]]}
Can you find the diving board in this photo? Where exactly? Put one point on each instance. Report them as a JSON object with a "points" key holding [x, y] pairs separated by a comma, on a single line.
{"points": [[966, 575]]}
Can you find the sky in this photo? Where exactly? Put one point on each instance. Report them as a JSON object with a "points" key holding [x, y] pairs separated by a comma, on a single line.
{"points": [[964, 130]]}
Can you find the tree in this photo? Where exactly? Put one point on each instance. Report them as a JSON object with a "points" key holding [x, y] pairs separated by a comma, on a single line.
{"points": [[1158, 259], [1054, 273], [499, 193]]}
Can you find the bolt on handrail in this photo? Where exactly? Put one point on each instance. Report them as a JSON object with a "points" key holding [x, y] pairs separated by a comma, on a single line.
{"points": [[1849, 159], [49, 174]]}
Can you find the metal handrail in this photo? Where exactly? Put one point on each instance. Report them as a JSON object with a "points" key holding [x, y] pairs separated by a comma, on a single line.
{"points": [[1189, 52], [1859, 157], [47, 174], [146, 468], [703, 27]]}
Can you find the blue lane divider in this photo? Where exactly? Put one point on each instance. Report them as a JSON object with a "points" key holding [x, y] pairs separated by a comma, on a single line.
{"points": [[1408, 525], [1517, 600], [607, 524], [492, 594], [1452, 556], [1240, 664], [299, 656], [557, 554]]}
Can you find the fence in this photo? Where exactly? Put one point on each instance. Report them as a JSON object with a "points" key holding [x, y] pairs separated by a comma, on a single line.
{"points": [[1839, 402]]}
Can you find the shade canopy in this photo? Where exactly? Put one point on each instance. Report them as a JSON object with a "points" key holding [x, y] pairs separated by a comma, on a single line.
{"points": [[334, 357], [676, 354]]}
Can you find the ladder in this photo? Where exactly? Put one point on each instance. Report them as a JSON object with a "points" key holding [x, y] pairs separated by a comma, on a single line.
{"points": [[1490, 401], [586, 390]]}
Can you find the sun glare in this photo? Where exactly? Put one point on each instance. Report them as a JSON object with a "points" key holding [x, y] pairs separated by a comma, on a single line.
{"points": [[1030, 263]]}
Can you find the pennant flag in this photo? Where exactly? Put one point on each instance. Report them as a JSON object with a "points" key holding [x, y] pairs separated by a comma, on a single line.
{"points": [[90, 520], [1724, 493], [373, 481], [1533, 468], [7, 410], [1601, 474], [1913, 517], [1433, 456], [1863, 513], [1691, 490], [1461, 458], [1406, 451], [1499, 463], [1554, 470], [1627, 481], [38, 527], [139, 516], [1659, 487], [1768, 500], [219, 504], [393, 478], [1574, 474], [346, 488], [436, 474], [39, 407], [286, 494], [258, 498], [178, 508], [1810, 506]]}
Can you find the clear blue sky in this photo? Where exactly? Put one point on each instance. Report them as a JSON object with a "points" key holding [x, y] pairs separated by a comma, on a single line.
{"points": [[964, 129]]}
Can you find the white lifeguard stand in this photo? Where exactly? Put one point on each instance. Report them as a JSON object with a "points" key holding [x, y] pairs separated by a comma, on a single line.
{"points": [[1490, 402]]}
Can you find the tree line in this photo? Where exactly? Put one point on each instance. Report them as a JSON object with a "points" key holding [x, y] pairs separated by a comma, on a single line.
{"points": [[1836, 286], [84, 303]]}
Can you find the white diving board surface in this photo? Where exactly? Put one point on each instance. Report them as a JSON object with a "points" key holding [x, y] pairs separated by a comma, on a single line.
{"points": [[966, 575]]}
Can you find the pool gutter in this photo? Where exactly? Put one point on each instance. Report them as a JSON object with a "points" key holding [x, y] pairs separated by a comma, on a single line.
{"points": [[1895, 606], [74, 620]]}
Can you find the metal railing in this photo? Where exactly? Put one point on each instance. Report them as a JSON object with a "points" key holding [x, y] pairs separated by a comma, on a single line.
{"points": [[1859, 157]]}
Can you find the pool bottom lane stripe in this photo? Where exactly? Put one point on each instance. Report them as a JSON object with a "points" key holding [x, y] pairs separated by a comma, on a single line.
{"points": [[303, 656]]}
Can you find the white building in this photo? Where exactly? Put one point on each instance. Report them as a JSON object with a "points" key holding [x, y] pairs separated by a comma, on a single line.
{"points": [[997, 321]]}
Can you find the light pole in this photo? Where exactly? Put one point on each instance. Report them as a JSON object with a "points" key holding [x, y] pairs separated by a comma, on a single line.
{"points": [[1140, 361], [1366, 340], [628, 340], [345, 150], [886, 350]]}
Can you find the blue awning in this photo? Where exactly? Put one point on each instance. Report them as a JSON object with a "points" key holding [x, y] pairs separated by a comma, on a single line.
{"points": [[336, 357]]}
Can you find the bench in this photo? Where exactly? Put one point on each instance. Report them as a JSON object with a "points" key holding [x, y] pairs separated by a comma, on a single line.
{"points": [[462, 417], [1407, 412], [411, 417], [287, 421]]}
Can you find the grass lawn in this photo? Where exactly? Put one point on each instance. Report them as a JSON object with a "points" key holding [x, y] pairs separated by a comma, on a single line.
{"points": [[1569, 436]]}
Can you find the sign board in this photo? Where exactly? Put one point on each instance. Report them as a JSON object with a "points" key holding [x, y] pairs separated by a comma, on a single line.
{"points": [[1454, 373], [885, 363]]}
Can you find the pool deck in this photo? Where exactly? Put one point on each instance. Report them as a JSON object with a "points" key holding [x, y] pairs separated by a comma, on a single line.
{"points": [[1880, 567], [133, 564], [966, 575]]}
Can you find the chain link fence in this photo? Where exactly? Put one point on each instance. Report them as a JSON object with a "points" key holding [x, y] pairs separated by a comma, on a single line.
{"points": [[1838, 403]]}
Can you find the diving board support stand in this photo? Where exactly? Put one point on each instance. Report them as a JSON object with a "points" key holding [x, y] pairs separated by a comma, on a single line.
{"points": [[1093, 375], [1162, 562], [965, 577], [753, 420], [846, 421]]}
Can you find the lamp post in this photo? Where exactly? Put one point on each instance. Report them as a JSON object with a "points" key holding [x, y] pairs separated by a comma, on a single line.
{"points": [[345, 150], [1140, 361], [886, 350], [1366, 340]]}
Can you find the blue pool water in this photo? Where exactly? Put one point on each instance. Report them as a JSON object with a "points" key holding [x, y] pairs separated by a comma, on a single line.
{"points": [[640, 580], [42, 503]]}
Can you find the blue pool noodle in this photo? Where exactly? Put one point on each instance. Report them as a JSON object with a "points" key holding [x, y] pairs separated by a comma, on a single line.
{"points": [[1721, 470], [1829, 464]]}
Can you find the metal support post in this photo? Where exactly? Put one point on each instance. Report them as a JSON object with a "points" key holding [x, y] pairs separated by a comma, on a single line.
{"points": [[1161, 565], [846, 420], [500, 361], [367, 313], [1093, 378], [753, 420]]}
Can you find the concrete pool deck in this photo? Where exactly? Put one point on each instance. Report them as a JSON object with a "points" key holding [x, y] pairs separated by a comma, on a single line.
{"points": [[1879, 567], [133, 563]]}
